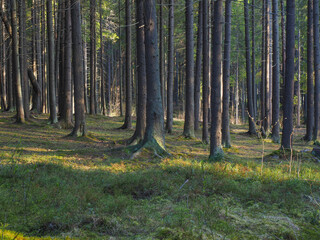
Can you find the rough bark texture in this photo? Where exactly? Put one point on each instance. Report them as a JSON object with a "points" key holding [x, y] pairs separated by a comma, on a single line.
{"points": [[276, 76], [288, 91], [253, 44], [205, 73], [79, 128], [169, 123], [197, 77], [310, 88], [216, 152], [103, 84], [188, 130], [316, 67], [92, 57], [252, 128], [226, 140]]}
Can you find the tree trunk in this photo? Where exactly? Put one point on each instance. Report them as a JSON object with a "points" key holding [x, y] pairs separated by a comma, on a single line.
{"points": [[316, 67], [128, 118], [169, 124], [254, 86], [310, 88], [216, 151], [299, 80], [288, 94], [79, 128], [198, 68], [188, 130], [226, 140], [103, 84], [252, 128], [92, 57], [275, 75], [20, 118], [161, 53], [205, 74]]}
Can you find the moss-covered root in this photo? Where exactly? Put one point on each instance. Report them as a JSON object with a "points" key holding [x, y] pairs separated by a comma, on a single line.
{"points": [[151, 145], [217, 155]]}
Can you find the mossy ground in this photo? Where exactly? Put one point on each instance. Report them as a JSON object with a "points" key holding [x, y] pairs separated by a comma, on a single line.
{"points": [[57, 187]]}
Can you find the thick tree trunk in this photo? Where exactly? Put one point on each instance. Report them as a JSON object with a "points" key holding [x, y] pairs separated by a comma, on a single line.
{"points": [[276, 76], [197, 77], [288, 94], [226, 140], [142, 78], [316, 68], [188, 130], [252, 128], [169, 124], [205, 74], [216, 151], [310, 88], [79, 128], [254, 86]]}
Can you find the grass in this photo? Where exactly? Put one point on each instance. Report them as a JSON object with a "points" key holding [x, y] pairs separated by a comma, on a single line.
{"points": [[55, 187]]}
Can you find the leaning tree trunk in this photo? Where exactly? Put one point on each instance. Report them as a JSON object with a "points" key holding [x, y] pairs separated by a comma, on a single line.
{"points": [[142, 78], [288, 92], [16, 65], [310, 88], [197, 77], [205, 74], [188, 130], [316, 68], [77, 56], [216, 152], [226, 140], [275, 75], [169, 124], [252, 128]]}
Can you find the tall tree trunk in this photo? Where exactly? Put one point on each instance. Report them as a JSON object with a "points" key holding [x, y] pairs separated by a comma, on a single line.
{"points": [[188, 130], [20, 118], [252, 128], [263, 69], [237, 85], [205, 74], [275, 75], [299, 80], [226, 140], [197, 77], [310, 88], [77, 56], [52, 85], [283, 39], [161, 52], [288, 94], [316, 68], [142, 78], [103, 84], [85, 74], [92, 57], [38, 53], [216, 151], [253, 44], [128, 118], [169, 124]]}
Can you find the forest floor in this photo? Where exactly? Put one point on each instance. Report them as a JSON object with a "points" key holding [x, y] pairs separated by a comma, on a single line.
{"points": [[57, 187]]}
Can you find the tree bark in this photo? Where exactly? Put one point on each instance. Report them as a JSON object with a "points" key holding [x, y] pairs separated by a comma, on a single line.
{"points": [[216, 152], [288, 94], [226, 139], [92, 57], [188, 130], [169, 124]]}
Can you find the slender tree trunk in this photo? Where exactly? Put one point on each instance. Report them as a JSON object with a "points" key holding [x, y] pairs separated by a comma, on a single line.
{"points": [[92, 57], [226, 139], [310, 88], [254, 86], [198, 68], [283, 39], [275, 75], [169, 124], [161, 54], [299, 80], [216, 151], [38, 53], [263, 69], [205, 74], [128, 118], [20, 118], [316, 68], [288, 94], [252, 128], [77, 56], [103, 84], [237, 85], [85, 74], [188, 130]]}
